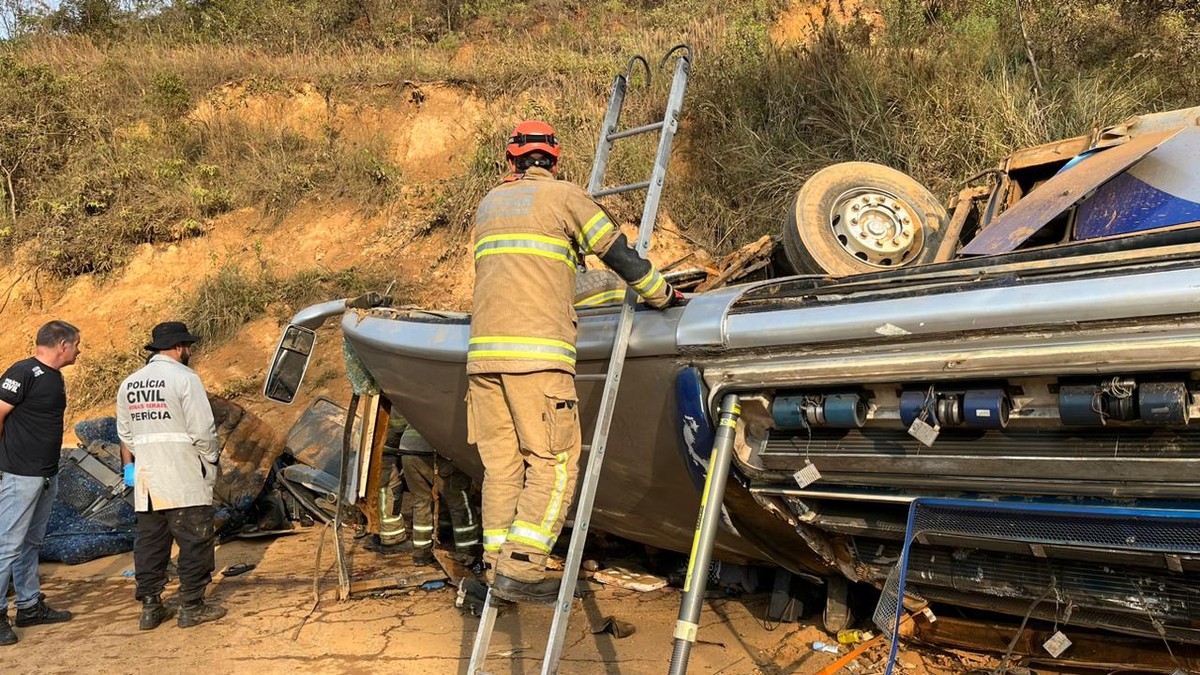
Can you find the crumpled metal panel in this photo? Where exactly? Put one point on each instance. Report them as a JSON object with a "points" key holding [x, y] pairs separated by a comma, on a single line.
{"points": [[249, 448], [315, 439], [1059, 193]]}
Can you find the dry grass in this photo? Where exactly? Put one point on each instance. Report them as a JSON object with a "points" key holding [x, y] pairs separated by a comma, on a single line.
{"points": [[99, 375], [765, 118], [941, 93]]}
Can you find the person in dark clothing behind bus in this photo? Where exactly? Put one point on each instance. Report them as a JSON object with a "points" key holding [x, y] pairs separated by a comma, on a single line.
{"points": [[33, 398], [392, 533], [426, 474]]}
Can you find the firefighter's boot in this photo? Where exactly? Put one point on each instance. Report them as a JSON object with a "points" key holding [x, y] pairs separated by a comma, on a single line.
{"points": [[543, 592]]}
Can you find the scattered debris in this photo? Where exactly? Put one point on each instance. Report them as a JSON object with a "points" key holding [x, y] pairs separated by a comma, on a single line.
{"points": [[396, 581], [634, 581], [237, 569], [819, 646], [742, 262], [614, 626], [853, 636], [1057, 644], [509, 651], [93, 515]]}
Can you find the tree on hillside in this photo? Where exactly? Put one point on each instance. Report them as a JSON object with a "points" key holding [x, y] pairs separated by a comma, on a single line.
{"points": [[16, 16], [92, 17], [37, 123]]}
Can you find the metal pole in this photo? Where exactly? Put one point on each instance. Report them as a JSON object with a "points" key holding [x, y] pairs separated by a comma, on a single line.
{"points": [[343, 488], [483, 636], [612, 117], [687, 625]]}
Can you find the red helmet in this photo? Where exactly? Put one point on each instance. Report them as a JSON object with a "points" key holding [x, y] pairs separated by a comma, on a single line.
{"points": [[532, 136]]}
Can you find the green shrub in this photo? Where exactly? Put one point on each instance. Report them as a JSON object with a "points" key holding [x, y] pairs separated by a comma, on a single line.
{"points": [[764, 118], [227, 300], [169, 96], [232, 296], [99, 150]]}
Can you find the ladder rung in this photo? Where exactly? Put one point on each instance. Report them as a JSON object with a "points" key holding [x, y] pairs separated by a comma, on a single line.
{"points": [[621, 188], [598, 377], [634, 131]]}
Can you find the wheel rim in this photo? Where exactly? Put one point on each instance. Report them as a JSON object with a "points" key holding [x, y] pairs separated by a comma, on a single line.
{"points": [[876, 227]]}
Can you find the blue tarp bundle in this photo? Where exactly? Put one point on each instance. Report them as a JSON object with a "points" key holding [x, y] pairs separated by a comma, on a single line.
{"points": [[86, 521]]}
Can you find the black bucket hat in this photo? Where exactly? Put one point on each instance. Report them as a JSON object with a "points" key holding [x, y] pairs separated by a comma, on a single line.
{"points": [[168, 334]]}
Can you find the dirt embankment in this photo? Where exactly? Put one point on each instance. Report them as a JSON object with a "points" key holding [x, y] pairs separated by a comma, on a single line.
{"points": [[424, 136]]}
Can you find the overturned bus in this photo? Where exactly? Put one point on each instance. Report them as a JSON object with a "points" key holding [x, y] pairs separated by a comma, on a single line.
{"points": [[1036, 342]]}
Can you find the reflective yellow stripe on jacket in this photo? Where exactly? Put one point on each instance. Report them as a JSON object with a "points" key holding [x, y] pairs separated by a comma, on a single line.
{"points": [[602, 298], [649, 284], [527, 244], [515, 347], [597, 227]]}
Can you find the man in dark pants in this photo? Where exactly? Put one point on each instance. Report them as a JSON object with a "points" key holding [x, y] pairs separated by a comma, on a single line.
{"points": [[169, 445], [423, 471], [32, 401]]}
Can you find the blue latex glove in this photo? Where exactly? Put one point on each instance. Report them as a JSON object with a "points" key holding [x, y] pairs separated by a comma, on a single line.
{"points": [[129, 474]]}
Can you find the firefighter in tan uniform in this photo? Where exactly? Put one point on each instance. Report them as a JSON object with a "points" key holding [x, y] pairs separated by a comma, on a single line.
{"points": [[531, 233]]}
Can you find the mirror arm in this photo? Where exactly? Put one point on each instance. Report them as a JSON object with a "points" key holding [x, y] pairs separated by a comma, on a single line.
{"points": [[315, 315]]}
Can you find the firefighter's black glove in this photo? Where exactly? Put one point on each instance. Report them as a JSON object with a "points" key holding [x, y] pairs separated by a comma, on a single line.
{"points": [[369, 300]]}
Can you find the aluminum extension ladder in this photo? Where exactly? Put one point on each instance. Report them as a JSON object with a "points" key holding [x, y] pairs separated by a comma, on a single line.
{"points": [[612, 378]]}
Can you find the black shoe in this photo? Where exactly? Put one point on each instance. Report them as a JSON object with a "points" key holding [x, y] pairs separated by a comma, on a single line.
{"points": [[7, 636], [376, 545], [39, 614], [154, 612], [473, 593], [197, 613], [543, 592], [469, 559], [424, 558]]}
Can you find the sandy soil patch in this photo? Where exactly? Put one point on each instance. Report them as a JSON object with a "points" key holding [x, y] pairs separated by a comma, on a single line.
{"points": [[803, 20]]}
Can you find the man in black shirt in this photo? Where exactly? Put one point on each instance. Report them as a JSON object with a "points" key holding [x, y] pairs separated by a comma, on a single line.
{"points": [[32, 402]]}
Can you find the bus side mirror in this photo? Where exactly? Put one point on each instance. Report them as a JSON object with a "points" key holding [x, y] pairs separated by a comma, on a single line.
{"points": [[290, 363]]}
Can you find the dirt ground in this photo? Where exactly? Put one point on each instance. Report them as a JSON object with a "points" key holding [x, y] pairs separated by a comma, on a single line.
{"points": [[413, 632]]}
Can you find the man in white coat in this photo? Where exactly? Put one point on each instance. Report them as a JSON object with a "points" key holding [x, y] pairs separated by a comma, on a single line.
{"points": [[169, 446]]}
